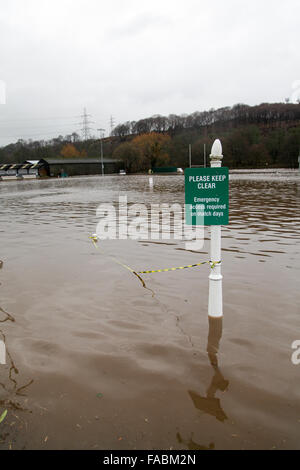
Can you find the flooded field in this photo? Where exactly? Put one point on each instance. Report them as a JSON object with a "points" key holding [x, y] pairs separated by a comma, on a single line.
{"points": [[97, 361]]}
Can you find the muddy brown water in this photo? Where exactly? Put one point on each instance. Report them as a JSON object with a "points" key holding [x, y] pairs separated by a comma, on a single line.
{"points": [[96, 361]]}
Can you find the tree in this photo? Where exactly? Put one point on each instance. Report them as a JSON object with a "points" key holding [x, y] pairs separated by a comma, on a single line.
{"points": [[258, 156], [69, 151], [130, 155], [75, 136], [122, 130], [153, 148]]}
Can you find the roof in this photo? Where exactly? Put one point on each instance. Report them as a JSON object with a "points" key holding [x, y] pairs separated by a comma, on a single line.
{"points": [[24, 165], [15, 166], [37, 165], [33, 164], [66, 161]]}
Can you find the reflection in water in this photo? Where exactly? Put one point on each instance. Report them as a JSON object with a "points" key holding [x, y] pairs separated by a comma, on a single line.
{"points": [[75, 202], [66, 296], [192, 445], [210, 404]]}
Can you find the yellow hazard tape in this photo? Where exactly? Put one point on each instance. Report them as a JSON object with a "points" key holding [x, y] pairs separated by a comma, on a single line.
{"points": [[94, 239], [212, 264]]}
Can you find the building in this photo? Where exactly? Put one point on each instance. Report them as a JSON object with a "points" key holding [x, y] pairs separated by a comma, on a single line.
{"points": [[82, 166], [58, 167], [28, 169]]}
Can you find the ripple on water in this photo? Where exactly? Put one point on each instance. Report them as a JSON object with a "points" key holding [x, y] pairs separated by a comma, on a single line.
{"points": [[85, 325]]}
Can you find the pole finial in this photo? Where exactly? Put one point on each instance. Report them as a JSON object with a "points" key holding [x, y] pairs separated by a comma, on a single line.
{"points": [[216, 150]]}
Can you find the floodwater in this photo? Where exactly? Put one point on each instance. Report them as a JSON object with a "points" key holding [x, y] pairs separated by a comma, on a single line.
{"points": [[96, 360]]}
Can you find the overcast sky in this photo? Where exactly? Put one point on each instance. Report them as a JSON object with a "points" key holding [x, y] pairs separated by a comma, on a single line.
{"points": [[135, 58]]}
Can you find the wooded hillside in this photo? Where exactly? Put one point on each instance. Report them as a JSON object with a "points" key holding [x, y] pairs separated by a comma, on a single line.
{"points": [[261, 136]]}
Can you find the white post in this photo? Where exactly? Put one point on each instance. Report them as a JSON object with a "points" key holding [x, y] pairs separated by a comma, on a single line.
{"points": [[215, 300], [101, 146], [102, 164]]}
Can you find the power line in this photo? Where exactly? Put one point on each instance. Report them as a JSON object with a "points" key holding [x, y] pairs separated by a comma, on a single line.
{"points": [[32, 126], [37, 119], [112, 124], [85, 129], [32, 135]]}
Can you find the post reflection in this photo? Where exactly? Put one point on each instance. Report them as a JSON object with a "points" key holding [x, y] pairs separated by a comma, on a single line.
{"points": [[210, 404], [192, 445]]}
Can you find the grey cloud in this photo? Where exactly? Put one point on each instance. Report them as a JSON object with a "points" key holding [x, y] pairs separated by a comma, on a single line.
{"points": [[138, 24], [132, 59]]}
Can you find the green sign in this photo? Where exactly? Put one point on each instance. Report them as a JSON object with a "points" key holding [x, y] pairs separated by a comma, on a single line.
{"points": [[207, 196]]}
